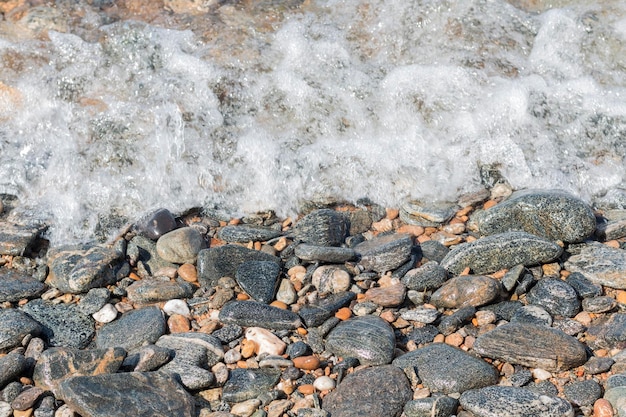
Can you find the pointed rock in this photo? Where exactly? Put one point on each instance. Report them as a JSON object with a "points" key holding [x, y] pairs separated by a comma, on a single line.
{"points": [[259, 279], [255, 314]]}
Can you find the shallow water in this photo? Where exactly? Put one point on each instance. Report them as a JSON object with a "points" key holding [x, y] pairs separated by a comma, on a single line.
{"points": [[110, 109]]}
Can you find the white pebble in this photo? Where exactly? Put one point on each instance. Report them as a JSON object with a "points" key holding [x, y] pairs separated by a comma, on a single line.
{"points": [[245, 408], [541, 374], [5, 409], [64, 411], [324, 383], [106, 314], [176, 306], [266, 341]]}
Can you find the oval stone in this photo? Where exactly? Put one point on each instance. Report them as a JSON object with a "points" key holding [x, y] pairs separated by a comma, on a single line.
{"points": [[247, 232], [180, 246], [255, 314], [323, 227], [466, 290], [384, 253], [556, 296], [368, 338], [155, 224], [500, 401]]}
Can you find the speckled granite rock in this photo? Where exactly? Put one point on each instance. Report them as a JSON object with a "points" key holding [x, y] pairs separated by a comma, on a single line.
{"points": [[16, 285], [384, 253], [132, 329], [368, 338], [14, 326], [599, 263]]}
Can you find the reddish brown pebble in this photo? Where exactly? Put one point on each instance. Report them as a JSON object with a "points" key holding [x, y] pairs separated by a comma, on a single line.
{"points": [[488, 204], [602, 408], [620, 296], [612, 244], [177, 323], [279, 304], [24, 413], [27, 398], [388, 316], [343, 313], [306, 389], [454, 339], [247, 348], [387, 297], [242, 296], [188, 272], [392, 213], [307, 363]]}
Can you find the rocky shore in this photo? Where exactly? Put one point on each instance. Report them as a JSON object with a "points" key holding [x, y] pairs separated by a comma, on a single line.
{"points": [[498, 304]]}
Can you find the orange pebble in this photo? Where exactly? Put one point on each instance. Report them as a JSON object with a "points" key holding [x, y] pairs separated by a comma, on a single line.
{"points": [[612, 244], [411, 229], [242, 364], [302, 331], [279, 304], [188, 272], [488, 204], [499, 274], [257, 245], [306, 389], [308, 363], [343, 313], [620, 296], [466, 271], [602, 408], [392, 213], [134, 276], [178, 323], [248, 347], [242, 296], [423, 238], [360, 296], [439, 338], [24, 413], [454, 339], [234, 221]]}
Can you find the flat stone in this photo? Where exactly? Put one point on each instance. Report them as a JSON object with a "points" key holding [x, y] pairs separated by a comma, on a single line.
{"points": [[583, 392], [12, 366], [16, 239], [433, 250], [600, 264], [370, 392], [390, 296], [15, 286], [500, 401], [447, 369], [63, 324], [439, 406], [532, 345], [583, 287], [266, 341], [553, 214], [450, 324], [466, 290], [368, 338], [127, 394], [614, 226], [180, 246], [247, 232], [421, 314], [57, 364], [504, 250], [331, 254], [154, 290], [76, 270], [194, 352], [132, 329], [94, 300], [322, 227], [329, 279], [425, 214], [315, 314], [246, 384], [259, 279], [27, 398], [601, 304], [422, 335], [143, 250], [223, 261], [384, 253], [155, 224], [556, 296], [14, 326], [255, 314], [532, 314], [427, 277]]}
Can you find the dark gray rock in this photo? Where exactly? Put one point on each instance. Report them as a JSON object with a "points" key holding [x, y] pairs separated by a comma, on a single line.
{"points": [[532, 314], [223, 261], [427, 214], [556, 296], [247, 232], [14, 326], [155, 224], [245, 384], [597, 365], [583, 392], [450, 324], [12, 366], [499, 401], [368, 338], [613, 226], [438, 406], [152, 290], [370, 392], [228, 333], [147, 358], [63, 324], [553, 214], [132, 329], [424, 334], [600, 264], [512, 277], [297, 349], [504, 310], [385, 252], [504, 250], [427, 277], [76, 270], [315, 314], [447, 369], [127, 394], [143, 250], [532, 345], [259, 279], [614, 330], [94, 300], [15, 285], [255, 314], [618, 380], [599, 304], [16, 239], [180, 245], [521, 378], [323, 227], [583, 287], [433, 250], [330, 254], [466, 290]]}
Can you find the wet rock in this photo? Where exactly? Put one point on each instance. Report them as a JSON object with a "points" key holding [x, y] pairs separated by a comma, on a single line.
{"points": [[127, 394], [223, 261], [14, 326], [599, 304], [143, 251], [450, 324], [16, 239], [600, 264], [57, 364], [156, 224], [255, 314], [533, 346], [247, 232], [16, 285], [323, 227], [368, 338], [583, 287], [132, 329], [553, 214], [556, 296], [180, 246], [583, 392], [246, 384], [433, 250], [532, 314], [466, 290], [447, 369], [428, 277], [437, 406], [11, 367], [76, 270], [390, 296], [315, 314], [153, 290], [329, 279], [94, 300], [370, 392], [499, 401], [259, 279], [63, 324], [504, 250], [324, 253], [425, 214], [384, 253]]}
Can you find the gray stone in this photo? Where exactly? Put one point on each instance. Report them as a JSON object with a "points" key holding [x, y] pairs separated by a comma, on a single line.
{"points": [[421, 315], [466, 290], [255, 314], [556, 296], [259, 279], [600, 264], [450, 324], [433, 250], [504, 250], [143, 250], [223, 261], [499, 401], [599, 304], [384, 253], [532, 345], [583, 392], [331, 254], [614, 330], [94, 300], [16, 239], [439, 406], [597, 365], [15, 286], [315, 314], [424, 334], [368, 338], [447, 369], [532, 314], [155, 224], [370, 392], [152, 290], [614, 226], [247, 232], [127, 394], [427, 277], [512, 277], [63, 324], [148, 358], [228, 333], [553, 214], [323, 227], [132, 329], [618, 380], [246, 384], [583, 287], [617, 397], [180, 245], [427, 214], [14, 326], [11, 367]]}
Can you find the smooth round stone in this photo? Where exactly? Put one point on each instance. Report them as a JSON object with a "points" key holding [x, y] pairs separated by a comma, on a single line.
{"points": [[155, 224], [615, 329], [245, 384], [143, 251], [569, 326], [132, 329], [384, 253], [106, 314], [324, 383], [617, 397], [433, 250], [553, 214], [532, 314], [597, 365], [286, 292], [447, 369], [466, 290], [223, 261], [500, 401], [180, 246], [425, 214], [421, 314], [323, 227], [583, 287], [368, 338], [600, 264], [427, 277], [153, 290], [232, 356], [330, 279], [599, 304], [324, 253], [258, 279], [247, 232], [176, 306], [15, 286], [618, 380], [370, 392], [439, 406], [14, 326], [12, 366], [255, 314], [583, 392], [504, 250], [556, 296], [389, 296]]}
